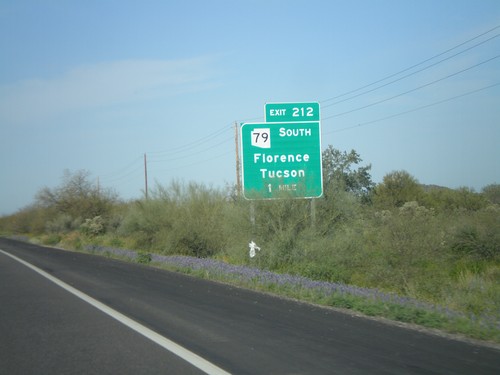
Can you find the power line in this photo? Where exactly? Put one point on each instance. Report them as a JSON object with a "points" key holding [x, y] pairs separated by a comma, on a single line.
{"points": [[126, 176], [412, 90], [408, 75], [253, 119], [192, 153], [135, 166], [412, 110], [195, 143], [195, 163], [120, 171], [415, 65]]}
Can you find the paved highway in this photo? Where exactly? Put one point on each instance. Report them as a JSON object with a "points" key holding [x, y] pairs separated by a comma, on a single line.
{"points": [[110, 317]]}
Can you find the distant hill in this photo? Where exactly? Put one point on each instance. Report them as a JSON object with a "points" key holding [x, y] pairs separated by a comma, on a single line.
{"points": [[428, 188]]}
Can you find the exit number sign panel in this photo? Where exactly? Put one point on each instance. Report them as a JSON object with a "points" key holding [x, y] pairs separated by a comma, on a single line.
{"points": [[292, 112]]}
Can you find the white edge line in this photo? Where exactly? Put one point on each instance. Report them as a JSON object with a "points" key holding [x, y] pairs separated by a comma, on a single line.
{"points": [[192, 358]]}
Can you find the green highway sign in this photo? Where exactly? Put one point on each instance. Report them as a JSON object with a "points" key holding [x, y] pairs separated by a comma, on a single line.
{"points": [[292, 112], [281, 160]]}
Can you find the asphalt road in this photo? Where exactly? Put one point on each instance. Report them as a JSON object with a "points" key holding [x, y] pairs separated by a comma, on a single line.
{"points": [[44, 329]]}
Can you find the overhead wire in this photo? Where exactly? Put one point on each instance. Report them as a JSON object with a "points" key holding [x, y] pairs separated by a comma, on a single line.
{"points": [[418, 64], [192, 153], [122, 173], [412, 90], [195, 163], [126, 172], [413, 110], [125, 176], [410, 74], [122, 170], [194, 143]]}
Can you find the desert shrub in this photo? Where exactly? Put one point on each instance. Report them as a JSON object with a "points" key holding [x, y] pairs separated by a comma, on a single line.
{"points": [[72, 240], [179, 219], [475, 290], [77, 197], [51, 239], [478, 237], [454, 199], [404, 251], [143, 257], [93, 227], [413, 209], [145, 221], [492, 193], [281, 252], [113, 223], [31, 219], [470, 242], [63, 223], [468, 199], [116, 242], [198, 226], [331, 258], [273, 217], [337, 208]]}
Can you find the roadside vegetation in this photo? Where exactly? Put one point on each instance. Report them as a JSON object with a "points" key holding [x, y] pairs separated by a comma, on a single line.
{"points": [[420, 254]]}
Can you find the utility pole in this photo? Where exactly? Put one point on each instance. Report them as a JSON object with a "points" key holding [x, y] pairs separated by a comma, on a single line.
{"points": [[237, 147], [145, 176]]}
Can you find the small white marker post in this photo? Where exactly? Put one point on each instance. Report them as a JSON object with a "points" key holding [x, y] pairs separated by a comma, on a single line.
{"points": [[253, 246]]}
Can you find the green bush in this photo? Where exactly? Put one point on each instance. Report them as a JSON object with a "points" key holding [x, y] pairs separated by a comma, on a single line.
{"points": [[479, 240], [72, 241], [454, 199], [51, 239], [143, 257], [29, 220], [397, 188], [63, 223], [180, 219], [492, 193]]}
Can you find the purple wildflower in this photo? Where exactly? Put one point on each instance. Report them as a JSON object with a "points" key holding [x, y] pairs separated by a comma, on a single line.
{"points": [[250, 275]]}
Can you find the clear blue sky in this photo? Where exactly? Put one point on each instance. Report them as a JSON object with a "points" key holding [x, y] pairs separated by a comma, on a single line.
{"points": [[96, 84]]}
